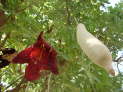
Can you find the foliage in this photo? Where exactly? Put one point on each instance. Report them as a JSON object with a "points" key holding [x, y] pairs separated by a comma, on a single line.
{"points": [[58, 19]]}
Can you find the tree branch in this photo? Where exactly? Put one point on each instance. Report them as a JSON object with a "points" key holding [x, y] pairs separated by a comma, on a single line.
{"points": [[68, 12]]}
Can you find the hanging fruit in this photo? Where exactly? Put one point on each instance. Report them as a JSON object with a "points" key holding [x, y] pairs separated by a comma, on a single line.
{"points": [[94, 49]]}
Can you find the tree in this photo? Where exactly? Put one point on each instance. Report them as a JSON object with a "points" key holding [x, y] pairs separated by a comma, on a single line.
{"points": [[25, 19]]}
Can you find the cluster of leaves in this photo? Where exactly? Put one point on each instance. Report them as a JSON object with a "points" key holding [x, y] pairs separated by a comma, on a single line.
{"points": [[58, 19]]}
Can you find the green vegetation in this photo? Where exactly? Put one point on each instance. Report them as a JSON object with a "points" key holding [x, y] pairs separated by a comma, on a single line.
{"points": [[22, 22]]}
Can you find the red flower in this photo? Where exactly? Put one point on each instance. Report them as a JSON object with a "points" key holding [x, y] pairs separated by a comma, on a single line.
{"points": [[40, 56]]}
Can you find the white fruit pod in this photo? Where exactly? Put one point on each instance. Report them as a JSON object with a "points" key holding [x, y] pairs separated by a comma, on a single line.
{"points": [[96, 51]]}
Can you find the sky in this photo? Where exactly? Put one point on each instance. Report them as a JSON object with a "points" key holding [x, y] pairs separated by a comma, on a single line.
{"points": [[120, 65], [113, 2]]}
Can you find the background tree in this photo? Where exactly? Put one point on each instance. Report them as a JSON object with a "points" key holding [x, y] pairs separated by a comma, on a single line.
{"points": [[22, 20]]}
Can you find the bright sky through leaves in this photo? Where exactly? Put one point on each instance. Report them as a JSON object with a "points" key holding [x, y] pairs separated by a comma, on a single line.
{"points": [[113, 2]]}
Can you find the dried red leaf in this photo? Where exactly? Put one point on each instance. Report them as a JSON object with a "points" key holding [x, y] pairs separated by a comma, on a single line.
{"points": [[40, 56], [23, 56], [32, 72]]}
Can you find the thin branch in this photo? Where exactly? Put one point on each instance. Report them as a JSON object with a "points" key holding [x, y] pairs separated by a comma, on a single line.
{"points": [[45, 85], [68, 12], [76, 21], [118, 59], [48, 88]]}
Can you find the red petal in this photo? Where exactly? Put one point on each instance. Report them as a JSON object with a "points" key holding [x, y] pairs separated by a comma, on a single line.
{"points": [[40, 56], [23, 56], [54, 68], [32, 72], [53, 62], [39, 41], [35, 55]]}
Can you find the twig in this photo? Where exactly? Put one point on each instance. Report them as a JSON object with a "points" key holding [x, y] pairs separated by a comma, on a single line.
{"points": [[68, 12], [48, 88], [45, 87], [76, 21], [118, 59]]}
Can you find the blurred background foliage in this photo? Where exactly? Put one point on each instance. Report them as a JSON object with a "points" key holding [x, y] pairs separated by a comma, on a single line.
{"points": [[22, 20]]}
